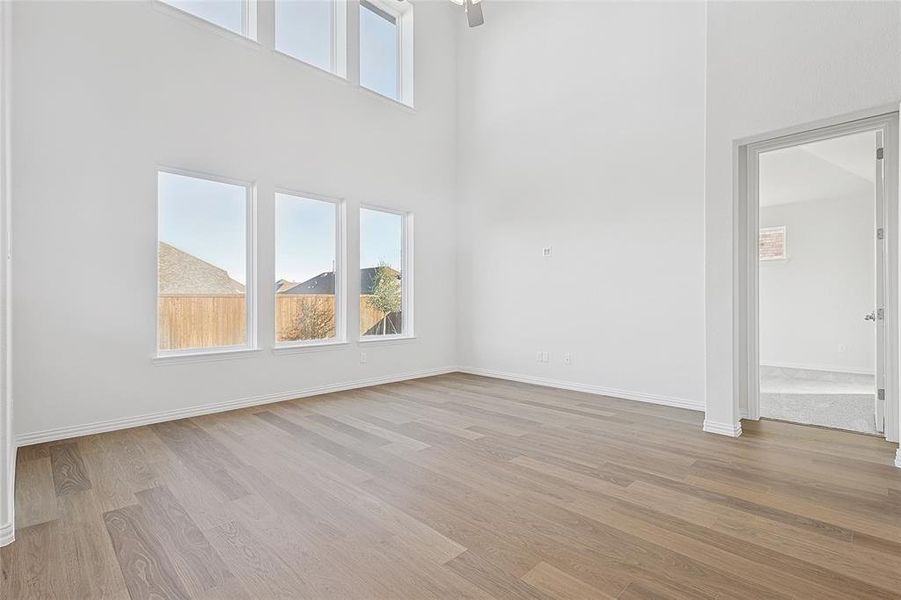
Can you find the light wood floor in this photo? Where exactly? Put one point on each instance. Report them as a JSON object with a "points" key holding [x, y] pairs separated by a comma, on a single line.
{"points": [[456, 487]]}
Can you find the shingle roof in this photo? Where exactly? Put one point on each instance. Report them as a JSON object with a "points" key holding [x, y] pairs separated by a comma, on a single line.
{"points": [[186, 275], [283, 285], [324, 283]]}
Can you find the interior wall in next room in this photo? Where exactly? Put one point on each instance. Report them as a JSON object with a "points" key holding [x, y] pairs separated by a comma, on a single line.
{"points": [[812, 303]]}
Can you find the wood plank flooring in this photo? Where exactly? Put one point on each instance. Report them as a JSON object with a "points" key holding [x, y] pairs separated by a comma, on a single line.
{"points": [[456, 487]]}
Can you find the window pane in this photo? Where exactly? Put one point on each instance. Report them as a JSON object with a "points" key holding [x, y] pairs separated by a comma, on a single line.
{"points": [[381, 260], [305, 255], [202, 263], [303, 29], [224, 13], [378, 50]]}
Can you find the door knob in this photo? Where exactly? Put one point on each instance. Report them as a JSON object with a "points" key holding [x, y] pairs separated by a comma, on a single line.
{"points": [[870, 317]]}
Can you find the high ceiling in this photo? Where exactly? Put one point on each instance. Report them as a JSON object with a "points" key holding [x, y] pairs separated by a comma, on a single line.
{"points": [[842, 167]]}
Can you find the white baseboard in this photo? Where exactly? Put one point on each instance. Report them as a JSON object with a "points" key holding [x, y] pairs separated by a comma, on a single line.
{"points": [[827, 368], [7, 533], [61, 433], [589, 389], [723, 428], [898, 458]]}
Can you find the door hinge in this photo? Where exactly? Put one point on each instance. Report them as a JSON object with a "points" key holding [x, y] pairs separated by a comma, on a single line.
{"points": [[880, 394], [880, 313], [880, 234], [880, 152]]}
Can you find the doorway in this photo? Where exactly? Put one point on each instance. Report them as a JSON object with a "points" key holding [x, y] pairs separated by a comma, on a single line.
{"points": [[822, 209]]}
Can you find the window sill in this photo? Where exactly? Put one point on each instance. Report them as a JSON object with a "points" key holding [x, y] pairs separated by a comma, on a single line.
{"points": [[308, 347], [248, 38], [206, 356], [394, 101], [290, 59], [387, 339]]}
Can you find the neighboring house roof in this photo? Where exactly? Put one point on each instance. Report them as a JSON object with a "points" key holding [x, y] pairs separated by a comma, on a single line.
{"points": [[184, 274], [324, 283], [283, 285]]}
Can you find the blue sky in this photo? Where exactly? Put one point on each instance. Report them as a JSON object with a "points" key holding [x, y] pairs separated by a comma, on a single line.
{"points": [[305, 237], [207, 219], [303, 30], [378, 53], [381, 236]]}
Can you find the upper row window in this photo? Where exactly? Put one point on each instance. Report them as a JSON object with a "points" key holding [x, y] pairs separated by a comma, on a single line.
{"points": [[313, 31]]}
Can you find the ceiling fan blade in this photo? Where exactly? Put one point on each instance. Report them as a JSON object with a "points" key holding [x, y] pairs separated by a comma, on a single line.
{"points": [[473, 12]]}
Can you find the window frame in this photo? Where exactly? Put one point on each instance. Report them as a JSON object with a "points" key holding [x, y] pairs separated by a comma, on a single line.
{"points": [[340, 273], [250, 286], [406, 280], [402, 13], [249, 19], [338, 50], [784, 257]]}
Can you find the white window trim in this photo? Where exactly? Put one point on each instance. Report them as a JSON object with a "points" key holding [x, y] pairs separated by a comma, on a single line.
{"points": [[249, 12], [784, 256], [214, 354], [338, 52], [403, 15], [340, 275], [250, 285], [311, 346], [407, 276]]}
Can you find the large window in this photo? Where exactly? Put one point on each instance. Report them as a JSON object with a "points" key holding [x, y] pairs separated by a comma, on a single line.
{"points": [[385, 309], [308, 272], [234, 15], [312, 31], [203, 265], [386, 48]]}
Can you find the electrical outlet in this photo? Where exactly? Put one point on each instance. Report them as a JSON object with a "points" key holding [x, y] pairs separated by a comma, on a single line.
{"points": [[547, 251], [567, 359], [543, 357], [362, 358]]}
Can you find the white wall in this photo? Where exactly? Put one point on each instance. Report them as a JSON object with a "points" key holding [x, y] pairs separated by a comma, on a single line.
{"points": [[812, 305], [773, 65], [582, 128], [106, 91]]}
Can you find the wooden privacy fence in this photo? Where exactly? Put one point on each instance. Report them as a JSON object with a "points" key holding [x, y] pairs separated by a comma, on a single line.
{"points": [[290, 307], [209, 321], [202, 321]]}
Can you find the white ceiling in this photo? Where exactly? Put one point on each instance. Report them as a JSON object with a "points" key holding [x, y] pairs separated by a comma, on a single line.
{"points": [[837, 168]]}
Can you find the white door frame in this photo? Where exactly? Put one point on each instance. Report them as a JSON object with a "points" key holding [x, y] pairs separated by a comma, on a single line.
{"points": [[7, 446], [747, 317]]}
